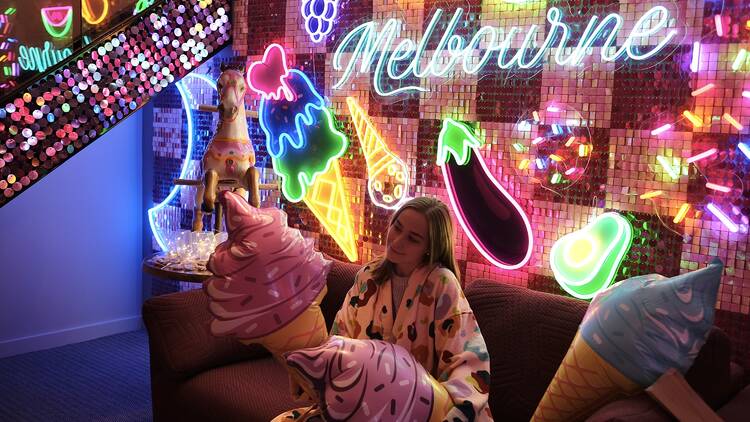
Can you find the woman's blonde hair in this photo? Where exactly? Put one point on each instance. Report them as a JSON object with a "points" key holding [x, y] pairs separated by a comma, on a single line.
{"points": [[439, 238]]}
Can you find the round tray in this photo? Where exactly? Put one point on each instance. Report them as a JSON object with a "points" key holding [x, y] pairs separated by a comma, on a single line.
{"points": [[151, 267]]}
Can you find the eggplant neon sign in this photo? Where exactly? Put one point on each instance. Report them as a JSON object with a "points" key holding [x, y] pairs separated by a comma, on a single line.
{"points": [[489, 215], [365, 46]]}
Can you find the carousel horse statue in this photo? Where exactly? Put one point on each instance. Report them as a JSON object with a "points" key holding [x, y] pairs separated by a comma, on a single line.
{"points": [[230, 157]]}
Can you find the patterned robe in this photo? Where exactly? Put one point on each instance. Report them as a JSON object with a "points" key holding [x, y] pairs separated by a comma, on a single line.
{"points": [[435, 323]]}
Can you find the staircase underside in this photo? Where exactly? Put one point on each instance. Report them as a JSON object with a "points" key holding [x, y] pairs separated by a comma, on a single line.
{"points": [[58, 114]]}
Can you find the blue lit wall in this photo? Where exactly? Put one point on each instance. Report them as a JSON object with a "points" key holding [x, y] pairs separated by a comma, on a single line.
{"points": [[72, 248]]}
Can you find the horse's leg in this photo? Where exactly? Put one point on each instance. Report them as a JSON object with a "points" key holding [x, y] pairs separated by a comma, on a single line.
{"points": [[210, 184], [251, 180], [240, 191], [218, 217], [197, 220], [197, 212]]}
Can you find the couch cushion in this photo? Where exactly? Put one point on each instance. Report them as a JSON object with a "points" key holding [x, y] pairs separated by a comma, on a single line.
{"points": [[340, 280], [736, 377], [180, 339], [642, 408], [527, 335], [257, 390], [710, 377], [710, 374]]}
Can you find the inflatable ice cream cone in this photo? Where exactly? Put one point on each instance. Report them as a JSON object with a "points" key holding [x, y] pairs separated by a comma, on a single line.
{"points": [[268, 281], [441, 400], [307, 330], [304, 144], [363, 380], [583, 381], [632, 333]]}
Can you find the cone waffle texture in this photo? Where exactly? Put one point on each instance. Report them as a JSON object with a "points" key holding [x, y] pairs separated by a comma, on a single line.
{"points": [[328, 200], [583, 383]]}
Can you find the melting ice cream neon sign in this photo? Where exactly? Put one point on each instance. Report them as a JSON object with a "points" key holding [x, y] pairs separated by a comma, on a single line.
{"points": [[370, 46]]}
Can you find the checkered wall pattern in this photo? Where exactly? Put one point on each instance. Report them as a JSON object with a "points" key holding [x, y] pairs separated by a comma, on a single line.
{"points": [[612, 107]]}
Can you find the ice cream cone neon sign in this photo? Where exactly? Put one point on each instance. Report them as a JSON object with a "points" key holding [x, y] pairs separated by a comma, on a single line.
{"points": [[304, 144], [268, 76], [387, 174]]}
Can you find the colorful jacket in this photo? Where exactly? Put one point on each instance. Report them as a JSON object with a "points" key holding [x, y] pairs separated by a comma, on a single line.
{"points": [[435, 323]]}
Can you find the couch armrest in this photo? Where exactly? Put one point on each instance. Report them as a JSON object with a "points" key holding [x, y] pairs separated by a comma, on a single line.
{"points": [[639, 408], [180, 342], [738, 407]]}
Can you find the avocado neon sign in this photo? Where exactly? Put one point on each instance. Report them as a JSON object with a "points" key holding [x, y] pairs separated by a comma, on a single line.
{"points": [[585, 262], [365, 46]]}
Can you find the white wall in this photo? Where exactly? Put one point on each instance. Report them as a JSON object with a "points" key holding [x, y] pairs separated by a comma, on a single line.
{"points": [[70, 247]]}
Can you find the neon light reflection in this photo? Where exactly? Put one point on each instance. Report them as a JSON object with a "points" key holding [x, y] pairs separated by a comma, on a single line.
{"points": [[88, 14]]}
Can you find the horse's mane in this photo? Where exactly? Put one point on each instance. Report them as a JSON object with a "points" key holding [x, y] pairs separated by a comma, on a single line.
{"points": [[236, 67]]}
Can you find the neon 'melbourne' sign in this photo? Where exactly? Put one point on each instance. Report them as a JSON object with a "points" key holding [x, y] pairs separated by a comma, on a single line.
{"points": [[366, 45]]}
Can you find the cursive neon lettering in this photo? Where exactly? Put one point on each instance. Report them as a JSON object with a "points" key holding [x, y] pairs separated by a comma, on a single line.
{"points": [[442, 44], [365, 45], [403, 50], [504, 46], [646, 32], [23, 59], [367, 50], [456, 51], [474, 45], [40, 59], [423, 46]]}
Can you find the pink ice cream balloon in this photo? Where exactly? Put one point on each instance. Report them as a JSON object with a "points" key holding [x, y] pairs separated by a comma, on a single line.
{"points": [[366, 380], [265, 275]]}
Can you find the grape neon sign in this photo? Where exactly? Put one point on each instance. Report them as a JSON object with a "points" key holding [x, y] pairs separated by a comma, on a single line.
{"points": [[368, 47]]}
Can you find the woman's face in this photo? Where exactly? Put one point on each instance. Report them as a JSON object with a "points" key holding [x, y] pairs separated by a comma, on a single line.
{"points": [[406, 243]]}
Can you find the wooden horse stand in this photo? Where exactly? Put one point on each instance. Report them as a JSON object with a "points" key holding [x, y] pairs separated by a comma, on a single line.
{"points": [[218, 208]]}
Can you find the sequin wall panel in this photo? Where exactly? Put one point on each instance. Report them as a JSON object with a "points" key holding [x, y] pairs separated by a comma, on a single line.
{"points": [[657, 133]]}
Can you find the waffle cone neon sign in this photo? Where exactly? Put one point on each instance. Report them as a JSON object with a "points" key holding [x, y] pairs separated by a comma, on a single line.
{"points": [[368, 49]]}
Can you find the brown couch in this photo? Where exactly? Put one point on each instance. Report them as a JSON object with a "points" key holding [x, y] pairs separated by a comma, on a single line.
{"points": [[195, 376]]}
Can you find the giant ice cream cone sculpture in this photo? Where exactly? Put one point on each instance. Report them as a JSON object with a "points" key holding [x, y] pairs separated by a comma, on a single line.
{"points": [[370, 380], [304, 144], [632, 333], [268, 281], [583, 381]]}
